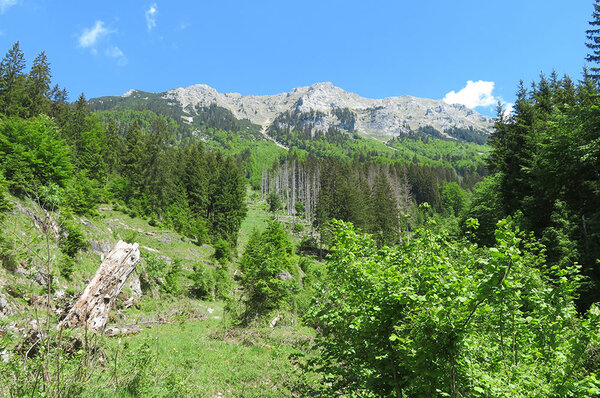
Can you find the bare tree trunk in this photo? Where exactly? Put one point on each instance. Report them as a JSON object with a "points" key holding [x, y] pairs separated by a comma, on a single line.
{"points": [[94, 304]]}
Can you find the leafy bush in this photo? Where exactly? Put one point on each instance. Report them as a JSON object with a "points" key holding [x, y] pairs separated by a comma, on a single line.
{"points": [[33, 154], [269, 276], [204, 283], [9, 256], [436, 317], [223, 282], [171, 279], [82, 195], [51, 196], [274, 202], [71, 239], [222, 251]]}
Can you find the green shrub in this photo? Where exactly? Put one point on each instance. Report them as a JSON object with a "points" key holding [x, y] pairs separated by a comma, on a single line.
{"points": [[204, 283], [51, 196], [222, 251], [82, 195], [268, 272], [8, 252], [71, 239], [223, 282], [437, 317], [171, 281], [66, 266]]}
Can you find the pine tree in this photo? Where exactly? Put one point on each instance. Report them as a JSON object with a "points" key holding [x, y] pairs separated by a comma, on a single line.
{"points": [[593, 42]]}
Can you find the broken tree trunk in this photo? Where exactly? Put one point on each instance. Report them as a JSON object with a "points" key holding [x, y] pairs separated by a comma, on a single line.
{"points": [[93, 306]]}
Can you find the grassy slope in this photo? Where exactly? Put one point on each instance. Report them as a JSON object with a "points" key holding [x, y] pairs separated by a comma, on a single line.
{"points": [[196, 353]]}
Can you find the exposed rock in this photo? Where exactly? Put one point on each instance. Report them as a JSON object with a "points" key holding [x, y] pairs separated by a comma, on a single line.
{"points": [[165, 258], [90, 224], [284, 276], [165, 238], [40, 277], [122, 330], [59, 295], [100, 247], [4, 308], [374, 117]]}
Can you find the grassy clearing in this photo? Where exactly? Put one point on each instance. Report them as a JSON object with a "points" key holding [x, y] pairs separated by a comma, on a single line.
{"points": [[205, 359], [186, 346]]}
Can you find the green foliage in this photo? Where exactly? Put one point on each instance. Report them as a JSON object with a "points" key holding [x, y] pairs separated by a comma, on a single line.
{"points": [[546, 158], [9, 253], [300, 209], [593, 41], [13, 83], [269, 276], [71, 239], [437, 317], [223, 282], [66, 266], [82, 195], [171, 283], [142, 362], [274, 202], [51, 196], [454, 198], [34, 154], [384, 224], [5, 204], [204, 283], [486, 208], [222, 251]]}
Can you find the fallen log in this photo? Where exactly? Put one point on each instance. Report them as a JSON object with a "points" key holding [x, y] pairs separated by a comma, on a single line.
{"points": [[94, 304]]}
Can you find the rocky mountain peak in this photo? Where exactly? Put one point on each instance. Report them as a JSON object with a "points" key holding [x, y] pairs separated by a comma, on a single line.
{"points": [[376, 118]]}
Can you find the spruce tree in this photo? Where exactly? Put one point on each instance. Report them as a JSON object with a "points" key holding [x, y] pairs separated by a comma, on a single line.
{"points": [[593, 42], [12, 82], [38, 86]]}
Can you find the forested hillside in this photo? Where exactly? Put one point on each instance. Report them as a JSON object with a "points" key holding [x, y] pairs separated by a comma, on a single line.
{"points": [[289, 259]]}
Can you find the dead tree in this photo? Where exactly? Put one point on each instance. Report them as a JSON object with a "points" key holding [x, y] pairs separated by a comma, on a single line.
{"points": [[94, 304]]}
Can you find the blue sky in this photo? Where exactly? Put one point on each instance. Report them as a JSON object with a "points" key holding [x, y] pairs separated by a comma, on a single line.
{"points": [[374, 48]]}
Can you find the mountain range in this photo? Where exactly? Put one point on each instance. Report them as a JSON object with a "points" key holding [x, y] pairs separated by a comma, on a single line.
{"points": [[320, 106]]}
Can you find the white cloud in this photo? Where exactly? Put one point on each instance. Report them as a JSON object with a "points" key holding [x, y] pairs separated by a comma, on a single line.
{"points": [[6, 4], [508, 108], [151, 14], [115, 52], [474, 94], [90, 36]]}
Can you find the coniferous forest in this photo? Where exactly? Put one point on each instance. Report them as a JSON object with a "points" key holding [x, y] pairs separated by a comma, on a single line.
{"points": [[308, 264]]}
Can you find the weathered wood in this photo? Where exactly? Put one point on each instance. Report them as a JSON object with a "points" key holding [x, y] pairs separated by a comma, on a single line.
{"points": [[94, 304]]}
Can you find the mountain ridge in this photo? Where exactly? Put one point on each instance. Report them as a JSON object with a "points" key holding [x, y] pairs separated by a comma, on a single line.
{"points": [[320, 105]]}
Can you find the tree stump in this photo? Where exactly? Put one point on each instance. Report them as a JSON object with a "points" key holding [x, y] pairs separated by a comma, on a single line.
{"points": [[94, 304]]}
